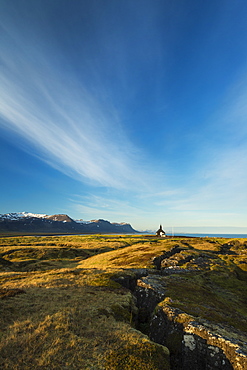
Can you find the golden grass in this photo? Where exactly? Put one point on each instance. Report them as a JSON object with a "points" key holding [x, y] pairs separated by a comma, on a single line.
{"points": [[61, 309], [207, 299], [69, 320], [138, 255], [54, 314]]}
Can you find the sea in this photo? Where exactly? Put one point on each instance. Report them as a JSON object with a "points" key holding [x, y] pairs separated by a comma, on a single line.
{"points": [[231, 236]]}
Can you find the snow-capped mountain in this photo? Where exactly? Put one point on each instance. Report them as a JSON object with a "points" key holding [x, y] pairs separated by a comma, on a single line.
{"points": [[18, 215], [29, 223]]}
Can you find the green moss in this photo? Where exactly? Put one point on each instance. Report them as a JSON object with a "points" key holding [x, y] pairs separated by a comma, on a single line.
{"points": [[217, 296], [121, 313], [213, 287], [102, 280], [142, 354]]}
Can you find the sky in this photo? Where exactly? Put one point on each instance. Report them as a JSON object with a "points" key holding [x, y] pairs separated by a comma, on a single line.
{"points": [[128, 110]]}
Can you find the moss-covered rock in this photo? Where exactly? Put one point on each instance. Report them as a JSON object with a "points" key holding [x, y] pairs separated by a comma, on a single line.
{"points": [[136, 351], [79, 310]]}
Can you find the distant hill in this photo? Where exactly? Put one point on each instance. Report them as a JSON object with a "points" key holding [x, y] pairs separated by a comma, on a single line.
{"points": [[25, 223]]}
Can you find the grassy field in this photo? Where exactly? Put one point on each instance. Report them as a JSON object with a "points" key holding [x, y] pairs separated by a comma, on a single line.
{"points": [[60, 307]]}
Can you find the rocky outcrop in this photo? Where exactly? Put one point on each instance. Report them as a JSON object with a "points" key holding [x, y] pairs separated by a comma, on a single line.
{"points": [[193, 344], [157, 261], [197, 345], [148, 292]]}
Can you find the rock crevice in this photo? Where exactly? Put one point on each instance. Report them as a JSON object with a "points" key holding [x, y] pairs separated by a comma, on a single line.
{"points": [[198, 345]]}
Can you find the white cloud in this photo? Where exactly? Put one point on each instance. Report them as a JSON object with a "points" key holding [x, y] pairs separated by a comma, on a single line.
{"points": [[110, 207], [220, 184], [63, 122], [222, 189], [79, 132]]}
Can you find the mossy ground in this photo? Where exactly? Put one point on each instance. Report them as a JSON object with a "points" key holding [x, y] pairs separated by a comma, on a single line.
{"points": [[213, 284], [57, 314], [61, 309]]}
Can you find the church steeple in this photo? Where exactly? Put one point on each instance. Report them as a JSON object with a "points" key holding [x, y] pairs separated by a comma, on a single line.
{"points": [[160, 232]]}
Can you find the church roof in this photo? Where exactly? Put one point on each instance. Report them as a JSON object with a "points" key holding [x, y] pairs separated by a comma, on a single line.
{"points": [[160, 231]]}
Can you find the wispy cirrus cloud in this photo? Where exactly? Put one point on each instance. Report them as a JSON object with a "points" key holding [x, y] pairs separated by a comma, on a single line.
{"points": [[60, 84], [63, 122], [219, 187], [126, 208], [105, 206], [215, 193]]}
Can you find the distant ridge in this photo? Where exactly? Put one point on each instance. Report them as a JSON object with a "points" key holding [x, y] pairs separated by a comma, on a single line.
{"points": [[60, 217], [25, 223]]}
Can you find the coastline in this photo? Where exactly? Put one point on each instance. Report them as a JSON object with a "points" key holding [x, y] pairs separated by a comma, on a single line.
{"points": [[208, 235]]}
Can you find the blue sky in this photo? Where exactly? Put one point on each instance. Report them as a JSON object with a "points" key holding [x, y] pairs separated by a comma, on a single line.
{"points": [[125, 110]]}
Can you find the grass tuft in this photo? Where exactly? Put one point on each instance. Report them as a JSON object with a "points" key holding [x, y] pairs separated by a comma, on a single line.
{"points": [[62, 306]]}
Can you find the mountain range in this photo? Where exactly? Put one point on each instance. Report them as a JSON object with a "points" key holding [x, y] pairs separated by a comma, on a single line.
{"points": [[25, 223]]}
